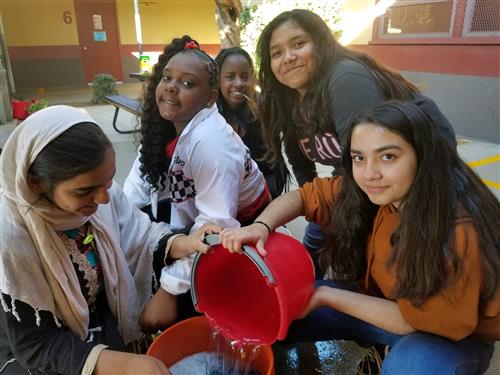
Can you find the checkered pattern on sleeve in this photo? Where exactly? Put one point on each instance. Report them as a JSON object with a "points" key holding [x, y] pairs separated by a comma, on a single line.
{"points": [[181, 187], [248, 165]]}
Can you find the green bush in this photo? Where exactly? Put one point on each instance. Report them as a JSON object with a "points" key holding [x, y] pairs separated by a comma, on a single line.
{"points": [[37, 105], [103, 85]]}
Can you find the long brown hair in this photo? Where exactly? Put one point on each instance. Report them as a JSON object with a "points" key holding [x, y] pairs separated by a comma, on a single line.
{"points": [[445, 190], [276, 99]]}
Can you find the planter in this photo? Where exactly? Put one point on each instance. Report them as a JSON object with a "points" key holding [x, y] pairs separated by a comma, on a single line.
{"points": [[20, 109]]}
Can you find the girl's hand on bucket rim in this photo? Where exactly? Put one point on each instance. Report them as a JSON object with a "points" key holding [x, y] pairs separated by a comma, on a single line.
{"points": [[233, 239], [186, 245], [198, 237]]}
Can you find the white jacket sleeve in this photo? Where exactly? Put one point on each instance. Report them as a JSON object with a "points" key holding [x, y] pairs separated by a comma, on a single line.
{"points": [[176, 278], [136, 188], [217, 180]]}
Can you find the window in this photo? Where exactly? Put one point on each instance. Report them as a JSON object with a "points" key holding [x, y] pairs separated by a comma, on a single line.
{"points": [[439, 22], [410, 18], [482, 18]]}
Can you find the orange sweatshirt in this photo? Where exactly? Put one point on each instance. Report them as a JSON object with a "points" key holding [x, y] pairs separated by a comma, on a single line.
{"points": [[455, 312]]}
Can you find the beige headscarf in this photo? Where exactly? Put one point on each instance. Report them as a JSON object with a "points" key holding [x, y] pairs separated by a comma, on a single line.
{"points": [[35, 267]]}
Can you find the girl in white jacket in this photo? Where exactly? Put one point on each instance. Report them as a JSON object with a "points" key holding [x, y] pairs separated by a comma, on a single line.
{"points": [[190, 156]]}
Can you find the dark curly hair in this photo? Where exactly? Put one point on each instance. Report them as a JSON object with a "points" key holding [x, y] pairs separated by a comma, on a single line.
{"points": [[155, 131]]}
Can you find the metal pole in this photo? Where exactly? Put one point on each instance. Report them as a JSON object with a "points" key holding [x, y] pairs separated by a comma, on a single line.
{"points": [[7, 88], [5, 60], [138, 32]]}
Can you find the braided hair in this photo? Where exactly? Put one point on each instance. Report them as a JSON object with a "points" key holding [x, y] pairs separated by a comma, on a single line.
{"points": [[155, 131]]}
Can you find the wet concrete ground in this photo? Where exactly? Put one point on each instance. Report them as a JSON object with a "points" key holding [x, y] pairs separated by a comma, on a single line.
{"points": [[323, 357]]}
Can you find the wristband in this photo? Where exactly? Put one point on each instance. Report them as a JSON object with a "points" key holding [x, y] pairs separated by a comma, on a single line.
{"points": [[264, 224]]}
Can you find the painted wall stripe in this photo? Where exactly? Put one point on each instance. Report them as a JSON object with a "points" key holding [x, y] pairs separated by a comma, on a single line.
{"points": [[467, 59]]}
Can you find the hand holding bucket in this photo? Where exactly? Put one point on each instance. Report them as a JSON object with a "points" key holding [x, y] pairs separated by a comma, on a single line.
{"points": [[249, 297]]}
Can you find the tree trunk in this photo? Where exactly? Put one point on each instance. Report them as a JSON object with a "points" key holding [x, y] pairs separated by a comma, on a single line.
{"points": [[227, 15]]}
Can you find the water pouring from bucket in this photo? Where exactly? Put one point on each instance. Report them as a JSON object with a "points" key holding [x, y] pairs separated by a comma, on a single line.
{"points": [[192, 339], [250, 298]]}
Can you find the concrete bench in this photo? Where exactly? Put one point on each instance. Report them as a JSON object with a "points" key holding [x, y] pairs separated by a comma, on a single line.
{"points": [[128, 104]]}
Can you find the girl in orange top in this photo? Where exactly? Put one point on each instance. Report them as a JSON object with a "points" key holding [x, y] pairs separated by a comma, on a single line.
{"points": [[414, 226]]}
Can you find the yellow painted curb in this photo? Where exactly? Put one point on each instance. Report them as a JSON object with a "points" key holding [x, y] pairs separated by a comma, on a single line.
{"points": [[492, 184], [485, 161]]}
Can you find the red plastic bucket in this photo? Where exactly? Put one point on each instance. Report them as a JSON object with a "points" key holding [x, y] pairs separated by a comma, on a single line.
{"points": [[193, 336], [19, 109], [250, 297]]}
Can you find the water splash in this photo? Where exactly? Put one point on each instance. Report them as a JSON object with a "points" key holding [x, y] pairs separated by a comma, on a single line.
{"points": [[223, 356], [232, 357]]}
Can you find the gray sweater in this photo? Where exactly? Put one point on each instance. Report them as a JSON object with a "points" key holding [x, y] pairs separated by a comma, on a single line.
{"points": [[353, 89]]}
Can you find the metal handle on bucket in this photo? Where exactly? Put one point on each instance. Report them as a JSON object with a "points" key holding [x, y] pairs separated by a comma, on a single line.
{"points": [[212, 240]]}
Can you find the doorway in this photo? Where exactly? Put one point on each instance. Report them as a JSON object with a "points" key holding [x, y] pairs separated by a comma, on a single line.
{"points": [[99, 39]]}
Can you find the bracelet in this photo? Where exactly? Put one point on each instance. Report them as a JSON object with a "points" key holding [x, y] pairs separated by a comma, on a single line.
{"points": [[264, 224]]}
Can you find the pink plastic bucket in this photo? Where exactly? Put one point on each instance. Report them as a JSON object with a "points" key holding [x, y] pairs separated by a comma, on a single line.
{"points": [[250, 297]]}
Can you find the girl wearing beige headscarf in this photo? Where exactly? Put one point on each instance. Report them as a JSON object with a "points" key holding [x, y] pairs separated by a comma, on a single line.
{"points": [[76, 259]]}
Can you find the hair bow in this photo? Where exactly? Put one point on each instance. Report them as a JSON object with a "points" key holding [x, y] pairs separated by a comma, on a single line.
{"points": [[191, 45]]}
